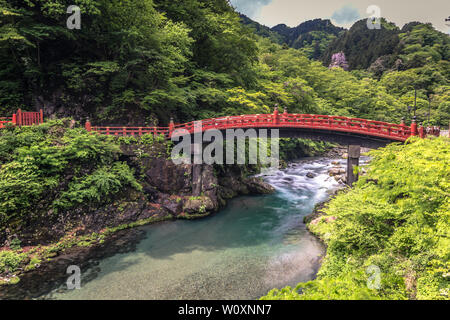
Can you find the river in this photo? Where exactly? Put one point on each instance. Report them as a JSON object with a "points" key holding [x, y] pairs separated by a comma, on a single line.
{"points": [[253, 245]]}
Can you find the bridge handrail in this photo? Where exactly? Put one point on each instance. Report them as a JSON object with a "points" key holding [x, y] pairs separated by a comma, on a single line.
{"points": [[131, 131], [321, 122]]}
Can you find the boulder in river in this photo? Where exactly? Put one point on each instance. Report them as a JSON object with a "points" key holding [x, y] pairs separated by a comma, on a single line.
{"points": [[195, 205], [258, 186], [311, 175], [336, 171]]}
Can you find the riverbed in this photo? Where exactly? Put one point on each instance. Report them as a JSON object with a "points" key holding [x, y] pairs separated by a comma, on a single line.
{"points": [[253, 245]]}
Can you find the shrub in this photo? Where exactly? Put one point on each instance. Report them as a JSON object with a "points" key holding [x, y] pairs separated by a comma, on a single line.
{"points": [[396, 218], [50, 167], [10, 260]]}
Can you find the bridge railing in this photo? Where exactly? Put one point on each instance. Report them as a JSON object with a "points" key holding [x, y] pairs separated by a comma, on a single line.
{"points": [[21, 118], [303, 121], [5, 120], [399, 132], [29, 118], [132, 131]]}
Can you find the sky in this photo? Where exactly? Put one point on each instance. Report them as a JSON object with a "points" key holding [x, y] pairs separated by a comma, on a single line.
{"points": [[344, 13]]}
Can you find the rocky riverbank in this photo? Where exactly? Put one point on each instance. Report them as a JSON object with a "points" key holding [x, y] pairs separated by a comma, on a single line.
{"points": [[337, 172], [168, 192]]}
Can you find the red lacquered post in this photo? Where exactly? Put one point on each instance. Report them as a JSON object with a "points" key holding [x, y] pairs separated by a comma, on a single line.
{"points": [[19, 117], [41, 115], [14, 119], [275, 115], [403, 125], [421, 132], [414, 131], [171, 127], [88, 125]]}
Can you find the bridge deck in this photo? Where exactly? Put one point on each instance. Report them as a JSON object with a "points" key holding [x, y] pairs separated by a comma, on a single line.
{"points": [[394, 132]]}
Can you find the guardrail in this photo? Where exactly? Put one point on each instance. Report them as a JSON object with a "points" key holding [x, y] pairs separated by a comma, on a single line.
{"points": [[396, 132], [21, 118]]}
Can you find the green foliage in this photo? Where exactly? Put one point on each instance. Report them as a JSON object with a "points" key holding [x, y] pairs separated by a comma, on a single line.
{"points": [[396, 218], [10, 260], [362, 46], [296, 148], [48, 168], [194, 59], [147, 139], [15, 244], [326, 289], [98, 186]]}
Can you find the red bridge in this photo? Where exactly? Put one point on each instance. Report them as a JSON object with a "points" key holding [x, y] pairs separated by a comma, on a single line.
{"points": [[343, 130], [350, 131], [317, 127]]}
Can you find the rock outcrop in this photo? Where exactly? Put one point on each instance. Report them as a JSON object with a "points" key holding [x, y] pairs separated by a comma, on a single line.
{"points": [[168, 191]]}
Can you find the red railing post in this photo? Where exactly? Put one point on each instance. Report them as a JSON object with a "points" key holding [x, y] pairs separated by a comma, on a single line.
{"points": [[403, 127], [421, 132], [275, 115], [14, 119], [19, 117], [414, 131], [171, 127], [41, 115], [87, 125], [403, 122]]}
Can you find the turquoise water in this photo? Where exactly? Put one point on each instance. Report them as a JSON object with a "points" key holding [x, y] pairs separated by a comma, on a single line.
{"points": [[253, 245]]}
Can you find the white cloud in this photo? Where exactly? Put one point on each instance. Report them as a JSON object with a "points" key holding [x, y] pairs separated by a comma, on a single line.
{"points": [[346, 14], [250, 8], [294, 12]]}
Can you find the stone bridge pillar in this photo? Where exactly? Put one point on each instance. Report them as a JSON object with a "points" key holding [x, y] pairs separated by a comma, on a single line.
{"points": [[354, 153]]}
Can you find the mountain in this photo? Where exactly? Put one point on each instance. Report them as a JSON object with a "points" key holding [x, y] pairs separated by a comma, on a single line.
{"points": [[390, 48], [299, 36], [312, 36], [415, 45], [363, 46], [262, 30]]}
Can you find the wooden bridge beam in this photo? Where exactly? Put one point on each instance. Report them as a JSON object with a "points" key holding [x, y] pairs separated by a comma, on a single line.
{"points": [[354, 153]]}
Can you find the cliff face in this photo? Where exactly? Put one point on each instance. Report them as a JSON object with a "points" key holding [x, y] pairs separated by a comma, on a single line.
{"points": [[169, 191]]}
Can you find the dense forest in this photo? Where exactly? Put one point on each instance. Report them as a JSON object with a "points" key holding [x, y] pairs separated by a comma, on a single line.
{"points": [[142, 61]]}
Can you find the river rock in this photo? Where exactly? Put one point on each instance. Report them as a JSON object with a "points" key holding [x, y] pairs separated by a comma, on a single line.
{"points": [[336, 171], [258, 186], [198, 205], [167, 177], [311, 175]]}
